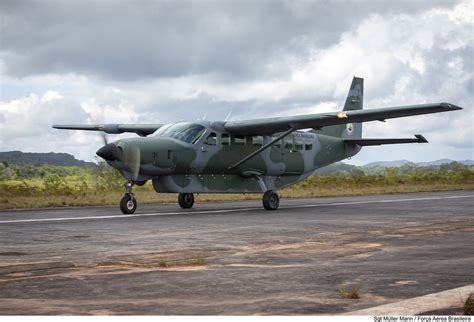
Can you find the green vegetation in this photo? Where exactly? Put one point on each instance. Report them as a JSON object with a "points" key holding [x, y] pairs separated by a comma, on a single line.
{"points": [[163, 263], [353, 293], [27, 186], [199, 260]]}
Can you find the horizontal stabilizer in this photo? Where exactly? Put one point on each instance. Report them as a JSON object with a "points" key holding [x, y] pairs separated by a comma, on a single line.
{"points": [[367, 142]]}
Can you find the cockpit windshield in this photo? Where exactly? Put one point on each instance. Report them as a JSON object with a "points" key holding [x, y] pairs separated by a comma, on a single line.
{"points": [[187, 132]]}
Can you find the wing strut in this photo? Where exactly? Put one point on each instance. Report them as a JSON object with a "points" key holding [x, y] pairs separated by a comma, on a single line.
{"points": [[264, 147]]}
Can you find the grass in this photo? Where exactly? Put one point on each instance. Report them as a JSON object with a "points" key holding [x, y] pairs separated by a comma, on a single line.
{"points": [[81, 187], [145, 196], [468, 307], [163, 263], [353, 293], [198, 261]]}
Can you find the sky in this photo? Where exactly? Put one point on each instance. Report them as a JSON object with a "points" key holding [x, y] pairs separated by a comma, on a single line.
{"points": [[166, 61]]}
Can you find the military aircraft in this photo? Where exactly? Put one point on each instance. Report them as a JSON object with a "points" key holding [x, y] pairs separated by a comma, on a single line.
{"points": [[253, 156]]}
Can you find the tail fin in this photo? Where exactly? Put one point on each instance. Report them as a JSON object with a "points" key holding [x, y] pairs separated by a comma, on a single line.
{"points": [[355, 97], [354, 101]]}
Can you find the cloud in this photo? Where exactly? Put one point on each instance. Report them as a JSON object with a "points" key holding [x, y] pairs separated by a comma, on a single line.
{"points": [[152, 39], [162, 62]]}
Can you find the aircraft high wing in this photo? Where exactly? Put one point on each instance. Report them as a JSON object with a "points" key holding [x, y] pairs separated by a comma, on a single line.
{"points": [[318, 121], [140, 129], [268, 126]]}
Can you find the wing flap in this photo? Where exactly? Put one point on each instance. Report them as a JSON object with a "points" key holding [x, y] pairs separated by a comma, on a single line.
{"points": [[370, 142], [317, 121]]}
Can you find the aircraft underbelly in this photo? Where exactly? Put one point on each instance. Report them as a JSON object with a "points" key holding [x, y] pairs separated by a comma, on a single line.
{"points": [[221, 183]]}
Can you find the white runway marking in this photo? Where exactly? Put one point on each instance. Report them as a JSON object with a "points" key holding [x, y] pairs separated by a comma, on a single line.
{"points": [[229, 210]]}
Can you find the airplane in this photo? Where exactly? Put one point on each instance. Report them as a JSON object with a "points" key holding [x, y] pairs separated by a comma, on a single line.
{"points": [[252, 156]]}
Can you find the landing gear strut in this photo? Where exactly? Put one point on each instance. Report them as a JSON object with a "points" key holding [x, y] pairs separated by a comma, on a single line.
{"points": [[270, 200], [186, 200], [128, 203]]}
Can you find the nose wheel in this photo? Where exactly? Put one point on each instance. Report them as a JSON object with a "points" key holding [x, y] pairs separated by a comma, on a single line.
{"points": [[186, 200], [128, 203]]}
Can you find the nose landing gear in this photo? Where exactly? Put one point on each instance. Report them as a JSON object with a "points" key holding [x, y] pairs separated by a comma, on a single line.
{"points": [[270, 200], [128, 203]]}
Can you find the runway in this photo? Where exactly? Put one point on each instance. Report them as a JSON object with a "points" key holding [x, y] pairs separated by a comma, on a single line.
{"points": [[235, 257]]}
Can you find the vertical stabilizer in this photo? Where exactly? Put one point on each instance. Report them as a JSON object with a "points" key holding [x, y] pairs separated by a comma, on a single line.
{"points": [[354, 101], [355, 97]]}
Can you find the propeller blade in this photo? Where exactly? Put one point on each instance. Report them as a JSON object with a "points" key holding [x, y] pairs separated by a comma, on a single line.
{"points": [[104, 138], [131, 159]]}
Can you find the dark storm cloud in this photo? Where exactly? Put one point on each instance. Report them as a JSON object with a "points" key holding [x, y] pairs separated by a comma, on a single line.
{"points": [[128, 40]]}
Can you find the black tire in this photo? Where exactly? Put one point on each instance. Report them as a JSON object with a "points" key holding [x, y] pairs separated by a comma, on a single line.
{"points": [[186, 200], [270, 200], [128, 204]]}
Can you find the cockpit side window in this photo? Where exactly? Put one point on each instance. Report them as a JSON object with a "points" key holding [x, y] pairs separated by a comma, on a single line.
{"points": [[211, 139]]}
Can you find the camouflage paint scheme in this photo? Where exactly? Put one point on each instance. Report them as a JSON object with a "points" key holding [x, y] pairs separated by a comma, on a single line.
{"points": [[206, 165], [176, 166]]}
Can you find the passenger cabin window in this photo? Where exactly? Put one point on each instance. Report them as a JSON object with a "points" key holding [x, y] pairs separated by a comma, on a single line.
{"points": [[225, 139], [211, 139], [257, 140], [277, 144], [298, 146], [308, 147], [239, 140]]}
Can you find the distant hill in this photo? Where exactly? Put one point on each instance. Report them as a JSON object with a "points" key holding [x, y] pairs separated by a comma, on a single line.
{"points": [[379, 167], [395, 163], [339, 167], [399, 163], [444, 161], [61, 159]]}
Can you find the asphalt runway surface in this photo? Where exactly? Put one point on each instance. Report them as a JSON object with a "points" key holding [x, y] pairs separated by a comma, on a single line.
{"points": [[235, 257]]}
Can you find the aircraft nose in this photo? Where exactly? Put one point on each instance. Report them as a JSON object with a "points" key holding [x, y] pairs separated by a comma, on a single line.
{"points": [[110, 152]]}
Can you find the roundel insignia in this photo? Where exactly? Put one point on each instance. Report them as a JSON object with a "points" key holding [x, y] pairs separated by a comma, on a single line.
{"points": [[349, 128]]}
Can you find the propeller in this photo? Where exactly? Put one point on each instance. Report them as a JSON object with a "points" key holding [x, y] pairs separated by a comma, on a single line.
{"points": [[131, 159], [129, 155], [104, 138]]}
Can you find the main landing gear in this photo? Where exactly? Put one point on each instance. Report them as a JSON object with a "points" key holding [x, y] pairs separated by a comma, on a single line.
{"points": [[186, 200], [270, 200], [128, 203]]}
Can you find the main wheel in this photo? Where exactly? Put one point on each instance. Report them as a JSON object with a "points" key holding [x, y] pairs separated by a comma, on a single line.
{"points": [[271, 200], [128, 204], [186, 200]]}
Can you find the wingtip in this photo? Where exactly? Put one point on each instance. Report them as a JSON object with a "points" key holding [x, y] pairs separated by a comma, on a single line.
{"points": [[421, 138], [450, 107]]}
